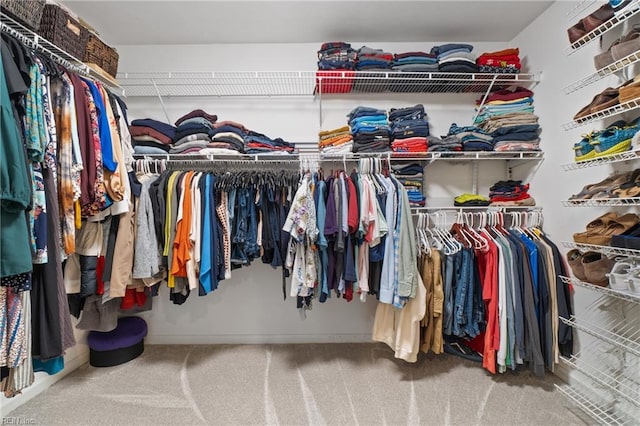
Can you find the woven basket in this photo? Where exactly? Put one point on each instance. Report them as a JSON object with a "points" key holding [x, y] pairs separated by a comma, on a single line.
{"points": [[61, 29], [100, 54], [26, 12]]}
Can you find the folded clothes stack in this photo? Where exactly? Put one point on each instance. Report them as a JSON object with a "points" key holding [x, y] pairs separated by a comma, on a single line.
{"points": [[336, 55], [409, 129], [373, 59], [192, 135], [410, 176], [336, 141], [451, 143], [455, 57], [257, 143], [370, 129], [472, 138], [228, 135], [510, 193], [415, 62], [505, 61], [508, 116], [471, 200], [151, 136]]}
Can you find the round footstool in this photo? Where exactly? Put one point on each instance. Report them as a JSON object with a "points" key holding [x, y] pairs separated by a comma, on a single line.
{"points": [[124, 343]]}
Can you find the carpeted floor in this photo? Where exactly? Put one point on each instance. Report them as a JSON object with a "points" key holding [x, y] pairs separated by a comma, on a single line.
{"points": [[341, 384]]}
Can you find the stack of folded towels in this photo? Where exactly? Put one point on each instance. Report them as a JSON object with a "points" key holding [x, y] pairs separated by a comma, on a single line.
{"points": [[336, 141], [409, 129], [410, 176], [449, 143], [508, 116], [471, 200], [455, 57], [151, 136], [472, 138], [336, 55], [505, 61], [370, 129], [373, 59], [193, 132], [510, 193], [258, 143], [415, 62]]}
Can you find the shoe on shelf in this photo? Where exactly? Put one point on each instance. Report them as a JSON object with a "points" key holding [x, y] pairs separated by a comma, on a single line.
{"points": [[629, 239], [629, 43], [613, 140], [576, 32], [619, 276], [583, 150], [574, 258], [630, 90], [630, 188], [596, 268], [596, 225], [603, 100], [617, 226], [597, 18], [634, 280], [618, 5]]}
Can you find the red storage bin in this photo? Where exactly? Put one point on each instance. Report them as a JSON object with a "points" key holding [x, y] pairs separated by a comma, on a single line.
{"points": [[334, 81]]}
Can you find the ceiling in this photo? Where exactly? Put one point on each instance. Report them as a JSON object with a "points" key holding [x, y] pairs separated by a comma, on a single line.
{"points": [[148, 22]]}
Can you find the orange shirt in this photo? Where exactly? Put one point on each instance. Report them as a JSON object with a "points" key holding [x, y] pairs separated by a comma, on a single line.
{"points": [[182, 243]]}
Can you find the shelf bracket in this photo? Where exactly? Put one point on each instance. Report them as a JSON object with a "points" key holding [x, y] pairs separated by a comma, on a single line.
{"points": [[474, 178], [320, 101], [484, 98], [161, 101]]}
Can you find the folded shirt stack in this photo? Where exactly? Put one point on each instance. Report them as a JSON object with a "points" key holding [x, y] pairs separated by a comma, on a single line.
{"points": [[455, 57], [415, 62], [472, 138], [336, 55], [450, 143], [410, 176], [230, 133], [409, 129], [508, 116], [510, 193], [505, 61], [192, 135], [370, 129], [151, 136], [373, 59], [257, 143], [335, 141], [471, 200]]}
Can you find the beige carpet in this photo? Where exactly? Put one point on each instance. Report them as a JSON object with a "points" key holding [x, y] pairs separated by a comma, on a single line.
{"points": [[341, 384]]}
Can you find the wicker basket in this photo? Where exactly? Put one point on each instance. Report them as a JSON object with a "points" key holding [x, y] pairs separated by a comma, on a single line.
{"points": [[61, 29], [98, 53], [26, 12]]}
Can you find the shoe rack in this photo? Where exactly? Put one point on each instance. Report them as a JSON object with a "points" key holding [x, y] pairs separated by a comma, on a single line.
{"points": [[606, 383]]}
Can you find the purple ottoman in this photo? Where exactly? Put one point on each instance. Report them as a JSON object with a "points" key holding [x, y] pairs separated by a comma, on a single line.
{"points": [[122, 344]]}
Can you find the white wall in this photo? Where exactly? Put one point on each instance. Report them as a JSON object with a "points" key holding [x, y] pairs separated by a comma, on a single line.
{"points": [[249, 307], [545, 43]]}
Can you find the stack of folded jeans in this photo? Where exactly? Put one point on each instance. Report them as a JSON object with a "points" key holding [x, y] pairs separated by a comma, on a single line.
{"points": [[451, 143], [228, 135], [510, 193], [415, 62], [472, 138], [455, 57], [508, 116], [505, 61], [370, 129], [151, 136], [471, 200], [336, 55], [192, 135], [410, 176], [336, 141], [257, 143], [409, 129], [373, 59]]}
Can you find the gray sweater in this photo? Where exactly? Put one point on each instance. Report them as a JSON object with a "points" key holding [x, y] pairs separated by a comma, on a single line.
{"points": [[147, 259]]}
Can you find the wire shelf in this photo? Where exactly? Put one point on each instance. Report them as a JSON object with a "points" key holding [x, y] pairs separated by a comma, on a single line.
{"points": [[309, 83], [622, 386], [603, 72], [620, 17], [598, 413], [609, 112], [624, 343], [579, 8], [607, 250], [600, 161], [602, 202], [433, 156], [477, 208], [35, 41], [623, 295]]}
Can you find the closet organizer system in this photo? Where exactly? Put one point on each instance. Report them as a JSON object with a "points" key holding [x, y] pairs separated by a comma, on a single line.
{"points": [[608, 387], [273, 193], [42, 88]]}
